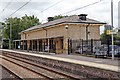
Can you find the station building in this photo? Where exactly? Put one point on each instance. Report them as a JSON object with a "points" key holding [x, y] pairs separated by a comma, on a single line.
{"points": [[53, 36]]}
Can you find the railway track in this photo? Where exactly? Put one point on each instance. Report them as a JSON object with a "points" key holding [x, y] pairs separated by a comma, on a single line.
{"points": [[21, 71], [46, 72], [9, 73]]}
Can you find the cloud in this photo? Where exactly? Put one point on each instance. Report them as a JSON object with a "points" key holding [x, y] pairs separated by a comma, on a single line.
{"points": [[31, 5], [99, 11], [119, 14]]}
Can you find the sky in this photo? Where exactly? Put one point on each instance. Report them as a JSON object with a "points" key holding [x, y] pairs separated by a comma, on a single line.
{"points": [[119, 14], [100, 11]]}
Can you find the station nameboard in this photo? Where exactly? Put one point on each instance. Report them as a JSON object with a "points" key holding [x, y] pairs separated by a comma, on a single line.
{"points": [[111, 32]]}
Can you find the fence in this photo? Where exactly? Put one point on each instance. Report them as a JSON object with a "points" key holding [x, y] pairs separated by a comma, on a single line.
{"points": [[83, 46]]}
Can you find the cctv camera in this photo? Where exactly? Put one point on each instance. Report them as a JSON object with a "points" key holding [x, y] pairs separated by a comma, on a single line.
{"points": [[66, 27]]}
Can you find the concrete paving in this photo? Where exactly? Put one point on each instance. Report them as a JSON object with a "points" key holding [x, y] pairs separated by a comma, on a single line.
{"points": [[90, 59]]}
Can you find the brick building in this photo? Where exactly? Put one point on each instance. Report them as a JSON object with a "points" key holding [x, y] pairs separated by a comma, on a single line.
{"points": [[53, 36]]}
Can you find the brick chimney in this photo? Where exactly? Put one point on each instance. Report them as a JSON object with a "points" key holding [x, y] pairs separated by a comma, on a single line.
{"points": [[50, 19], [82, 16]]}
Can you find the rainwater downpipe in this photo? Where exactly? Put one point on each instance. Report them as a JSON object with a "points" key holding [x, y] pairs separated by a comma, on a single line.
{"points": [[46, 38], [87, 32]]}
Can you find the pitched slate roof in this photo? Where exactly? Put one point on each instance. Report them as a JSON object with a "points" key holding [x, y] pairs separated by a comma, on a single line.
{"points": [[71, 19]]}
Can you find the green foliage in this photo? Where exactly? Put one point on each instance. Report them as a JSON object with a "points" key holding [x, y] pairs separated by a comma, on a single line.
{"points": [[58, 17], [0, 33], [117, 40], [18, 25], [117, 37], [104, 38]]}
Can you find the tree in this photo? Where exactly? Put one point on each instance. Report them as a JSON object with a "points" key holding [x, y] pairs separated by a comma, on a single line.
{"points": [[18, 25], [29, 21], [105, 39], [117, 40]]}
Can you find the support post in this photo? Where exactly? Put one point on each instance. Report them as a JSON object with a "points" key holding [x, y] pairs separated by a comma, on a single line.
{"points": [[15, 44], [69, 46], [32, 44], [48, 45], [28, 45], [108, 45], [23, 45], [19, 44], [82, 46], [112, 27], [66, 45], [37, 45], [91, 45], [66, 39], [112, 47]]}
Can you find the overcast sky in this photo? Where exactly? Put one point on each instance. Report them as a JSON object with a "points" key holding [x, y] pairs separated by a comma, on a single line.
{"points": [[99, 11]]}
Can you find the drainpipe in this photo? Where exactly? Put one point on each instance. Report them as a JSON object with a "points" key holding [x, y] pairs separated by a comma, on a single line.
{"points": [[87, 35], [87, 31], [46, 39], [46, 31]]}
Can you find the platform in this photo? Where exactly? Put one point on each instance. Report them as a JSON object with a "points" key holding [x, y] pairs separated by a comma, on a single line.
{"points": [[106, 64]]}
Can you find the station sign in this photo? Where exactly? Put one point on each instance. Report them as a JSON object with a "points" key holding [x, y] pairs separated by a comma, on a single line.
{"points": [[111, 32]]}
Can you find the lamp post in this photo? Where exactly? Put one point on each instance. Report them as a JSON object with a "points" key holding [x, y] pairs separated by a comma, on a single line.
{"points": [[112, 29]]}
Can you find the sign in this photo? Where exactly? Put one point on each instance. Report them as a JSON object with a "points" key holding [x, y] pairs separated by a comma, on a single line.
{"points": [[111, 32], [107, 32]]}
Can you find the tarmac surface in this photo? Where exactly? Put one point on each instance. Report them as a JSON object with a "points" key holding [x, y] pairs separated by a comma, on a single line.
{"points": [[81, 58], [90, 59]]}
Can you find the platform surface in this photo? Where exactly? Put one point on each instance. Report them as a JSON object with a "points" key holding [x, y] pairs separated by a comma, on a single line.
{"points": [[106, 64]]}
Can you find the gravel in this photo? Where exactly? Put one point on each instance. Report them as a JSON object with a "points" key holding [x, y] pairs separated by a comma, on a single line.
{"points": [[22, 72], [6, 74]]}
